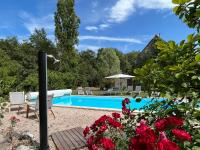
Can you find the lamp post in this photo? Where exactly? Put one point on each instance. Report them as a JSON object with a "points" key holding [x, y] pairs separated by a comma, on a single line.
{"points": [[42, 64]]}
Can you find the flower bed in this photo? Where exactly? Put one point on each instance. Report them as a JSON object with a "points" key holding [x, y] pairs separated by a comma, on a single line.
{"points": [[138, 131]]}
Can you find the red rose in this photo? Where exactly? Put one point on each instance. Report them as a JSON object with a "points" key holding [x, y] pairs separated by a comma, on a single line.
{"points": [[86, 131], [146, 134], [114, 123], [101, 120], [169, 122], [136, 145], [125, 101], [165, 144], [102, 129], [116, 115], [90, 142], [107, 144], [161, 124], [126, 111], [182, 135], [174, 121], [93, 127]]}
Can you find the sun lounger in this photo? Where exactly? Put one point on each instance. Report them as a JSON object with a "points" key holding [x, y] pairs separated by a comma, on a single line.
{"points": [[112, 91], [71, 139], [34, 105], [137, 90], [88, 91], [80, 91], [16, 98]]}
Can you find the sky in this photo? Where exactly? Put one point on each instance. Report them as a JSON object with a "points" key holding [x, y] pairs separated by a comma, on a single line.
{"points": [[127, 25]]}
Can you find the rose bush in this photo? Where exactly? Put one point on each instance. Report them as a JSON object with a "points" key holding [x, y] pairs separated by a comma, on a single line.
{"points": [[137, 131]]}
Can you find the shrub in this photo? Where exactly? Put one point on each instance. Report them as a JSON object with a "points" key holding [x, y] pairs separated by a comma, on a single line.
{"points": [[142, 131]]}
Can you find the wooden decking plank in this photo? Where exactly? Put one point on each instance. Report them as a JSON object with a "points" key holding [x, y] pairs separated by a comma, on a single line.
{"points": [[71, 138], [62, 141], [80, 132], [56, 142], [76, 138], [67, 140], [80, 135]]}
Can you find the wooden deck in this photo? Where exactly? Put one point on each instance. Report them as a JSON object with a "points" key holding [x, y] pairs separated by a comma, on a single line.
{"points": [[71, 139]]}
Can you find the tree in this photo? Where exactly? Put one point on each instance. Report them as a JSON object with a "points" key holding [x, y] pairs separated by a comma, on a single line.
{"points": [[66, 32], [108, 63], [40, 42], [189, 12], [10, 71], [87, 69]]}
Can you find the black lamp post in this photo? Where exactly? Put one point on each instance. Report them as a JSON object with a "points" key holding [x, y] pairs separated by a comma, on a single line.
{"points": [[42, 62]]}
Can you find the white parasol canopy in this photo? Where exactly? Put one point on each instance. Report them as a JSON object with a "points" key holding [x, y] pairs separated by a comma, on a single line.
{"points": [[120, 76]]}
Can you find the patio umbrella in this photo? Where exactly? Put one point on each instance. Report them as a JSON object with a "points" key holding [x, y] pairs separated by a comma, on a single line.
{"points": [[120, 76]]}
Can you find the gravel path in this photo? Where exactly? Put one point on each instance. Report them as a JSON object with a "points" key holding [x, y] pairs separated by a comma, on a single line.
{"points": [[66, 118]]}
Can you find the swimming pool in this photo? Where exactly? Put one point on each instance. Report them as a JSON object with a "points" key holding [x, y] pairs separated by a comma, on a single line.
{"points": [[102, 102]]}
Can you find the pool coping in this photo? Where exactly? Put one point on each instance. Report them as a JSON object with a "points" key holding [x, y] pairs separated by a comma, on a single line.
{"points": [[95, 108], [89, 108]]}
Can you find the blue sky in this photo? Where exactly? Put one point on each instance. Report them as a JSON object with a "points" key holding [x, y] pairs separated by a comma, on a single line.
{"points": [[124, 24]]}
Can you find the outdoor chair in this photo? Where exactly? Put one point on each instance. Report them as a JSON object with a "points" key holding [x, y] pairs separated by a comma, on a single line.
{"points": [[80, 91], [16, 98], [137, 90], [35, 106], [88, 91], [155, 94], [129, 89], [112, 91], [71, 139]]}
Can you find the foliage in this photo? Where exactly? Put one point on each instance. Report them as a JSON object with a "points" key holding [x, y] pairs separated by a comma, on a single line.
{"points": [[66, 32], [188, 11], [10, 130], [108, 63], [163, 130]]}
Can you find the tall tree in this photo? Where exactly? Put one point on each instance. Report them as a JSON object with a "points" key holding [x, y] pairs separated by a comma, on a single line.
{"points": [[108, 64], [66, 31]]}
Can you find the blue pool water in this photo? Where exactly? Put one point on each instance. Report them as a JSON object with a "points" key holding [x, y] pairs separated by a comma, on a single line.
{"points": [[107, 102]]}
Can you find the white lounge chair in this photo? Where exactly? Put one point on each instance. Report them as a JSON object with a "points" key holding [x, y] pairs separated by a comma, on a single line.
{"points": [[16, 98], [88, 91], [80, 91], [35, 106], [137, 90]]}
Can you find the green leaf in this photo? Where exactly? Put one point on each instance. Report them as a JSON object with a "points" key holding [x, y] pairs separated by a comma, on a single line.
{"points": [[197, 57], [180, 1], [196, 148], [175, 9], [190, 38], [184, 85]]}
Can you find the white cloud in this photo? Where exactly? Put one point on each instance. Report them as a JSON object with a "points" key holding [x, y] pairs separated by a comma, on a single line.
{"points": [[85, 47], [31, 22], [91, 28], [113, 39], [121, 10], [125, 8], [96, 28], [103, 26], [154, 4]]}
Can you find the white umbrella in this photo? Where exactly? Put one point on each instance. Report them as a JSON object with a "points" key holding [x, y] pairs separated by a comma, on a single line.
{"points": [[120, 76]]}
